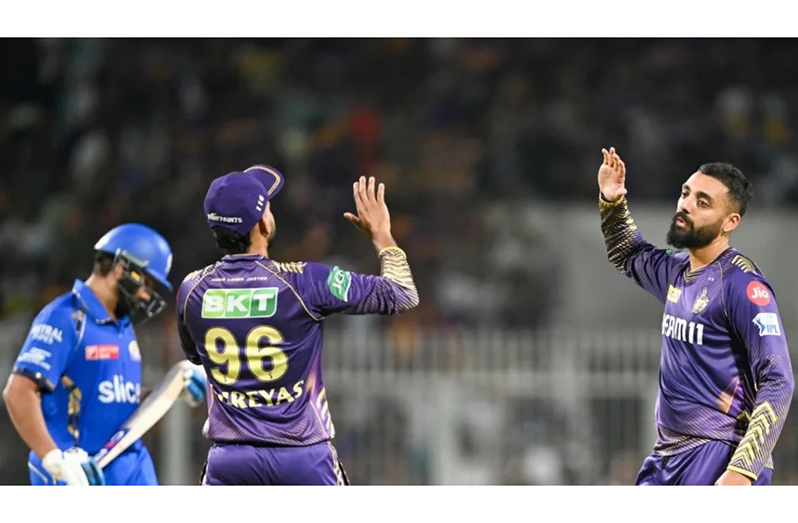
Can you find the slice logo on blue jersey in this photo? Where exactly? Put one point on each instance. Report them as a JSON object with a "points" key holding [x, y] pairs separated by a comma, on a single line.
{"points": [[674, 294], [768, 323], [701, 301], [240, 303], [119, 391], [338, 282]]}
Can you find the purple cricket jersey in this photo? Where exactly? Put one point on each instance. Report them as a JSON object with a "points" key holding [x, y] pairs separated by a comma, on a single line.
{"points": [[256, 325], [725, 371]]}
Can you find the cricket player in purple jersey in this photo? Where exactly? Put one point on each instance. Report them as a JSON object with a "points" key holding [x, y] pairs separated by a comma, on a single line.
{"points": [[725, 379], [256, 326]]}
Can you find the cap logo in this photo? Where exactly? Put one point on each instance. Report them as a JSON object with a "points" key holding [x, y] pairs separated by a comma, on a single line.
{"points": [[224, 219]]}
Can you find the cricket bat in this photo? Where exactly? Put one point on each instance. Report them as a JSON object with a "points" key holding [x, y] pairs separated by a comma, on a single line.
{"points": [[154, 407]]}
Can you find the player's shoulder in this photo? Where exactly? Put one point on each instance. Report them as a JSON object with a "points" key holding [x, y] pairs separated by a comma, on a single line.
{"points": [[678, 257], [304, 275], [62, 306], [197, 276], [316, 280], [297, 267], [739, 267], [61, 314], [676, 261], [743, 277], [300, 272]]}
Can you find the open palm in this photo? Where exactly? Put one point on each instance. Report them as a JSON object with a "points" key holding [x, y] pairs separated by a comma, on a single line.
{"points": [[612, 176]]}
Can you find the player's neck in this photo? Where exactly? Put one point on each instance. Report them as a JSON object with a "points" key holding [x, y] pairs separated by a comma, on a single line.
{"points": [[706, 255], [107, 295], [259, 246]]}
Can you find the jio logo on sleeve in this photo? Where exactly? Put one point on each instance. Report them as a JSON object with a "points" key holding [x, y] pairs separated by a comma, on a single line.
{"points": [[758, 293]]}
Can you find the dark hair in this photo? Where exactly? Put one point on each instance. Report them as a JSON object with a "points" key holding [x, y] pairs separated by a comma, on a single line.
{"points": [[230, 241], [739, 187], [103, 263]]}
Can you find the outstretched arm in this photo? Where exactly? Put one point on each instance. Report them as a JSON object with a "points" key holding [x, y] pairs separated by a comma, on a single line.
{"points": [[394, 290], [639, 260]]}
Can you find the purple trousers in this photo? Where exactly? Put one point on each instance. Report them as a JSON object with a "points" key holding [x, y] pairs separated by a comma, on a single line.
{"points": [[241, 464], [699, 466]]}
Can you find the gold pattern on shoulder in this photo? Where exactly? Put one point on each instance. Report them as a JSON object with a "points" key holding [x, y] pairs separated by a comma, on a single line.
{"points": [[745, 264], [201, 273], [297, 267]]}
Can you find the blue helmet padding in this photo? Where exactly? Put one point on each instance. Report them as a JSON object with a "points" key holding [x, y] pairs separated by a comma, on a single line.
{"points": [[144, 243]]}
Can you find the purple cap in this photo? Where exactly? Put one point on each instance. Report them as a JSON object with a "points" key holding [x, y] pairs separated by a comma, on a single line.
{"points": [[237, 200]]}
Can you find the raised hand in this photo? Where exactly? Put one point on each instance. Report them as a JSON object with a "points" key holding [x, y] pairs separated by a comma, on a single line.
{"points": [[612, 176], [372, 213]]}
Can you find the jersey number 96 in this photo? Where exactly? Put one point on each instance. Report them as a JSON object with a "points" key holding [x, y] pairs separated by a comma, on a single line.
{"points": [[256, 356]]}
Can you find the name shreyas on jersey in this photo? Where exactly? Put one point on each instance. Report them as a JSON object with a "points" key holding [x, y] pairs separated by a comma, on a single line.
{"points": [[240, 303], [768, 323], [224, 219], [682, 330], [261, 398]]}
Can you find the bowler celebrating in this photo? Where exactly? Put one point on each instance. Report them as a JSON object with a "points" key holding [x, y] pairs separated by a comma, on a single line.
{"points": [[725, 380]]}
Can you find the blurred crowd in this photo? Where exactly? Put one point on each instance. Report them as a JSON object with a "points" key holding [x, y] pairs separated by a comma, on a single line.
{"points": [[98, 132], [466, 134]]}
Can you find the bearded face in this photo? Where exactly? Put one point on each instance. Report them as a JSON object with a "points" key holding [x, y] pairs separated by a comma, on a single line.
{"points": [[683, 234]]}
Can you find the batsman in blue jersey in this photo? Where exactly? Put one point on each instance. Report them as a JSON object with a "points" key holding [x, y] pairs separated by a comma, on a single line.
{"points": [[725, 378], [256, 325], [78, 376]]}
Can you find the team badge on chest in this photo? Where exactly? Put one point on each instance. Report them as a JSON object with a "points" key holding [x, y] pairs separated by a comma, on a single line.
{"points": [[133, 349], [701, 301]]}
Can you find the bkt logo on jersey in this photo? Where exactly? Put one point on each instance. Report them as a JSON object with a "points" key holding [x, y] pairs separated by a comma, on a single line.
{"points": [[768, 323], [119, 391], [240, 303]]}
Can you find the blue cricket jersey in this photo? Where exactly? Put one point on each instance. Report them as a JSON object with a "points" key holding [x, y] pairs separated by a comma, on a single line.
{"points": [[88, 367]]}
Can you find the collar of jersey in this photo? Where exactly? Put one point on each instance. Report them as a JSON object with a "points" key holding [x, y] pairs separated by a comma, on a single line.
{"points": [[242, 257], [91, 304], [691, 275]]}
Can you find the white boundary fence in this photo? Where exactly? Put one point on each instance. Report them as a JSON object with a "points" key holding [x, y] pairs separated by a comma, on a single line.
{"points": [[461, 407]]}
